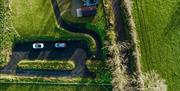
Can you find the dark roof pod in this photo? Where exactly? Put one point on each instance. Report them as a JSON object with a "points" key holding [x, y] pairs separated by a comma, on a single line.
{"points": [[86, 11]]}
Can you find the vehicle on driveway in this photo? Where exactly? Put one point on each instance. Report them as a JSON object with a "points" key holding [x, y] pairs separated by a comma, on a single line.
{"points": [[60, 45], [38, 45]]}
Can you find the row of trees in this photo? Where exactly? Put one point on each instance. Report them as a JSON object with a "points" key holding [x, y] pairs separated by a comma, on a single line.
{"points": [[120, 78], [122, 81]]}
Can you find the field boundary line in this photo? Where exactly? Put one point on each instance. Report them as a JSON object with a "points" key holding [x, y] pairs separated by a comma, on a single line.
{"points": [[137, 54], [54, 83]]}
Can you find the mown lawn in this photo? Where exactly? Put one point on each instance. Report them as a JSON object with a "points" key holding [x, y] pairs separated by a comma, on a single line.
{"points": [[158, 27], [35, 19], [40, 87]]}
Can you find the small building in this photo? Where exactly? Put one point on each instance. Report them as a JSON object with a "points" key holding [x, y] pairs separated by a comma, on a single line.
{"points": [[90, 2], [86, 11]]}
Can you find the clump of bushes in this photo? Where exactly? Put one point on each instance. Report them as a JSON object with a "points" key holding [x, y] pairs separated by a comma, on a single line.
{"points": [[46, 65]]}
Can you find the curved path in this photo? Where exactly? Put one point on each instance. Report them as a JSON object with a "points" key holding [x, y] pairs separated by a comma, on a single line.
{"points": [[73, 28]]}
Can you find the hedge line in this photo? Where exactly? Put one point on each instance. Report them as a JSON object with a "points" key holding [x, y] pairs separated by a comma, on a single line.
{"points": [[46, 65], [4, 78], [7, 33]]}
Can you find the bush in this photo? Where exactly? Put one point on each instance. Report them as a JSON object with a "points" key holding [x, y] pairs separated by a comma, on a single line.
{"points": [[95, 65], [46, 65], [153, 82], [103, 74]]}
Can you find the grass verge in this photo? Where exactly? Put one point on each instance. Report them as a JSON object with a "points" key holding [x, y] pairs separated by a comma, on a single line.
{"points": [[35, 79], [51, 87]]}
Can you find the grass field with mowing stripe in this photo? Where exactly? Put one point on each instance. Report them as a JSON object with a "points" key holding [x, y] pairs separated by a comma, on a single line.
{"points": [[33, 18], [37, 19], [158, 27]]}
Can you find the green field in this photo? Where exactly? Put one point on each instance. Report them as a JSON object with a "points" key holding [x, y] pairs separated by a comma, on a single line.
{"points": [[158, 27], [39, 87]]}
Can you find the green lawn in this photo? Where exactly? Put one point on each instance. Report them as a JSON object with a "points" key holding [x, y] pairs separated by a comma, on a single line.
{"points": [[36, 20], [158, 27], [39, 87], [33, 18]]}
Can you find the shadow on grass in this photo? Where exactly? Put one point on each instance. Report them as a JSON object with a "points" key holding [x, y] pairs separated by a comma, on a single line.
{"points": [[173, 25]]}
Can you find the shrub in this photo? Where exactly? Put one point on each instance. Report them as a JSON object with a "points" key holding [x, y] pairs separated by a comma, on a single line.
{"points": [[153, 82], [103, 75], [46, 65], [95, 65]]}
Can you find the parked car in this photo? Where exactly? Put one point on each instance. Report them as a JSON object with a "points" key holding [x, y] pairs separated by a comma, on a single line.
{"points": [[38, 45], [60, 45]]}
